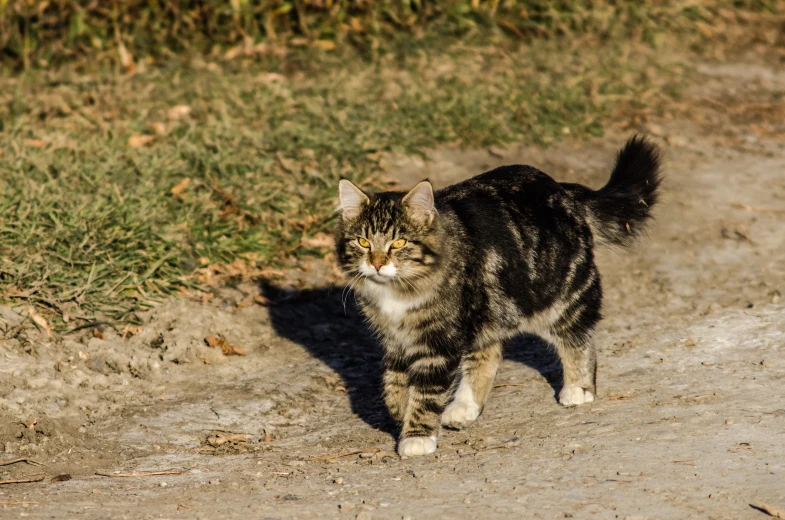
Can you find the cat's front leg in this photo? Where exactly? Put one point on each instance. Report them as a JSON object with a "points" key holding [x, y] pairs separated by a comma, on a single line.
{"points": [[396, 387], [430, 378]]}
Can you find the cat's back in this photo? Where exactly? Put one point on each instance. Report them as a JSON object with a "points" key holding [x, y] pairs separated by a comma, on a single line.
{"points": [[519, 192]]}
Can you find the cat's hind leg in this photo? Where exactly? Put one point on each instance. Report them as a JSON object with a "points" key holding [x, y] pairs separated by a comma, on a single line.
{"points": [[572, 335], [478, 369]]}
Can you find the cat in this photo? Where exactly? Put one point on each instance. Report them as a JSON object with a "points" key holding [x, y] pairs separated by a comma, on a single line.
{"points": [[446, 278]]}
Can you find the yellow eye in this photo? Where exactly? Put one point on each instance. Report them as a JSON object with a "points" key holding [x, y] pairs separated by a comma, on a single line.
{"points": [[364, 243], [399, 243]]}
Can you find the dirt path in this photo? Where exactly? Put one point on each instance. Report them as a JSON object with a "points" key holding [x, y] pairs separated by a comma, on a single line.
{"points": [[690, 420]]}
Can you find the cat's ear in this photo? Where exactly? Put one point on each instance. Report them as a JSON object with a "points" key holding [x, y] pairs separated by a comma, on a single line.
{"points": [[420, 204], [352, 199]]}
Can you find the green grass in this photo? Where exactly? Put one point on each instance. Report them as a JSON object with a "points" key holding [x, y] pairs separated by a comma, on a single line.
{"points": [[89, 225]]}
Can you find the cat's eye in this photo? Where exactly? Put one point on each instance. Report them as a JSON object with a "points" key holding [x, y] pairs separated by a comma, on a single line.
{"points": [[363, 243], [399, 243]]}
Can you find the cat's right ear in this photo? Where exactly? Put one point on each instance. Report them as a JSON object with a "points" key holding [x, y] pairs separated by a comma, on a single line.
{"points": [[352, 199]]}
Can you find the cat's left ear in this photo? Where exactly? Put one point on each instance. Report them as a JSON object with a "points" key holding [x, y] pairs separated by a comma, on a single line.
{"points": [[419, 202]]}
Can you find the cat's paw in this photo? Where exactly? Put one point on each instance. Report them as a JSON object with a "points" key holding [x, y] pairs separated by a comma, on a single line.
{"points": [[460, 414], [574, 395], [416, 446]]}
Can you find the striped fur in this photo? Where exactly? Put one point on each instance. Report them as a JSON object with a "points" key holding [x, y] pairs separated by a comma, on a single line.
{"points": [[506, 252]]}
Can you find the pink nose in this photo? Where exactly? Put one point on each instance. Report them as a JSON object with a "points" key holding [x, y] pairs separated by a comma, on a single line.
{"points": [[377, 265]]}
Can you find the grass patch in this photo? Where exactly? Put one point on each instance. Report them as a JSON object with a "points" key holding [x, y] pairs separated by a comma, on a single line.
{"points": [[119, 189], [116, 190]]}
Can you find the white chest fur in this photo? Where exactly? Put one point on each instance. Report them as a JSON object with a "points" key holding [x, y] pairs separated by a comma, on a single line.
{"points": [[390, 303]]}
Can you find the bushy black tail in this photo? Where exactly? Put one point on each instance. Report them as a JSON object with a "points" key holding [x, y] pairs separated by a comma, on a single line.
{"points": [[620, 209]]}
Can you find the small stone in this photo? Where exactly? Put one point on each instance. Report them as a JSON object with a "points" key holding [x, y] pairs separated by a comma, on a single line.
{"points": [[162, 484], [367, 455], [296, 463], [346, 506], [339, 480], [729, 421]]}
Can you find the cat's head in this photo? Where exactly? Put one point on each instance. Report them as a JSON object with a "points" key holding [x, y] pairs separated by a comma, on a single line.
{"points": [[388, 237]]}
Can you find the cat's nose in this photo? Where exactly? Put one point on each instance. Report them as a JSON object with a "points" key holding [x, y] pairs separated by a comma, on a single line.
{"points": [[377, 265]]}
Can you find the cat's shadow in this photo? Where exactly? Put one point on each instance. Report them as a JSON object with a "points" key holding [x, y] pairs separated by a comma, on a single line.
{"points": [[328, 324]]}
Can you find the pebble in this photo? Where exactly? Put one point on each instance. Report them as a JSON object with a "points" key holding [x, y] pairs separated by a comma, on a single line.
{"points": [[162, 484], [339, 480], [346, 506], [729, 421]]}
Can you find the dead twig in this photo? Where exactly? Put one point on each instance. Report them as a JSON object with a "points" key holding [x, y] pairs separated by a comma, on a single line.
{"points": [[34, 477], [145, 474], [745, 207], [331, 457], [20, 459], [769, 510], [15, 502]]}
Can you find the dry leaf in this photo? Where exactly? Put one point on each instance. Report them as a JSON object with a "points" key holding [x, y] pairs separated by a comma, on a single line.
{"points": [[130, 330], [126, 59], [216, 439], [318, 241], [179, 112], [159, 128], [327, 45], [137, 141], [181, 186], [40, 320], [35, 143], [98, 334], [227, 348]]}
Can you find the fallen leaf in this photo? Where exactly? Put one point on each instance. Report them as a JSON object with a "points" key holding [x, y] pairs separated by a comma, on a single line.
{"points": [[178, 112], [137, 141], [98, 334], [318, 241], [159, 128], [130, 330], [181, 186], [216, 439], [126, 59], [61, 478], [40, 320], [227, 348], [35, 143], [327, 45]]}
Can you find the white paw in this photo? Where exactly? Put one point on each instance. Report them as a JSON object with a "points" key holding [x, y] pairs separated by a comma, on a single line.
{"points": [[460, 414], [416, 446], [574, 395]]}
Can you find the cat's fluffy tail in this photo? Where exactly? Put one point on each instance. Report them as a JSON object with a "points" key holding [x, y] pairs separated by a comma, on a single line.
{"points": [[619, 210]]}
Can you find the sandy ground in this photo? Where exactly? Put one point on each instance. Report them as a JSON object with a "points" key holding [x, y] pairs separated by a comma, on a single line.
{"points": [[689, 423]]}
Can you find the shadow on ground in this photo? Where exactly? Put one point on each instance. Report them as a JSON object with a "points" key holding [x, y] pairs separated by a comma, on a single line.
{"points": [[328, 323]]}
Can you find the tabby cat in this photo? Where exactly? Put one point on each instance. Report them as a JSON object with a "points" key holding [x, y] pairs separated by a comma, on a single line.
{"points": [[446, 278]]}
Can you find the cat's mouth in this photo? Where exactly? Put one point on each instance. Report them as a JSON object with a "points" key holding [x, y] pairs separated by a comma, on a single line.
{"points": [[378, 278]]}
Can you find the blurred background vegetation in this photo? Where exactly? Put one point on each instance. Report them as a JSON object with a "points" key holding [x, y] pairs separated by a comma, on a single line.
{"points": [[42, 32]]}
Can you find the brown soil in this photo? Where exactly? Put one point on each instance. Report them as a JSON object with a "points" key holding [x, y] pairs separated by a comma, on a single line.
{"points": [[689, 423]]}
